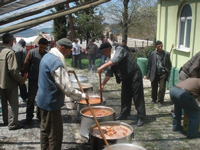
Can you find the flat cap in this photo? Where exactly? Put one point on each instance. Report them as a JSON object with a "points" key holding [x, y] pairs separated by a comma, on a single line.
{"points": [[65, 42], [105, 45]]}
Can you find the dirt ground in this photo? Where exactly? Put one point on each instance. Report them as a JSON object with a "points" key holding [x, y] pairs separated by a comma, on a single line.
{"points": [[155, 134]]}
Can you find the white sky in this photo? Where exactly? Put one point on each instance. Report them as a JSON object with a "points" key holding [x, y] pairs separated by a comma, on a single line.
{"points": [[48, 24]]}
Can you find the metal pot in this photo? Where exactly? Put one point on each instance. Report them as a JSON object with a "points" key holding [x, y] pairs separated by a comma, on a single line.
{"points": [[87, 88], [81, 78], [88, 121], [97, 143], [80, 106], [125, 146]]}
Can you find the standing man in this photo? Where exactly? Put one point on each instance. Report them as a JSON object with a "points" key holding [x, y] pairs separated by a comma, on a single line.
{"points": [[20, 53], [31, 66], [183, 97], [76, 54], [103, 57], [126, 70], [54, 84], [158, 71], [92, 50], [190, 69], [124, 44], [10, 79]]}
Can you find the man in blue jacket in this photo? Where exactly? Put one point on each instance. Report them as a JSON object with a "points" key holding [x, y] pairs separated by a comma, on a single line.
{"points": [[53, 85]]}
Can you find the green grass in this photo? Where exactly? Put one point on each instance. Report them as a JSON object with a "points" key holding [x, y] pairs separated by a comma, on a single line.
{"points": [[84, 63]]}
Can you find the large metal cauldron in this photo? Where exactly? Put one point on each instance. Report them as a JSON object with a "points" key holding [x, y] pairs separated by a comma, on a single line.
{"points": [[81, 106], [125, 146], [81, 78], [88, 121], [87, 88], [97, 143]]}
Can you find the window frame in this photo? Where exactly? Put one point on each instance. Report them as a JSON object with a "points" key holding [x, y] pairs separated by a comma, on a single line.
{"points": [[185, 20]]}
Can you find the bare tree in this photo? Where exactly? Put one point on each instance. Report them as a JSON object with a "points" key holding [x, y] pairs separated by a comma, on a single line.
{"points": [[133, 17]]}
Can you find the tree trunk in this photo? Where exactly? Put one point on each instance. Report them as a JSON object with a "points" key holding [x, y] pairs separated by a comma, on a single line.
{"points": [[125, 20], [71, 24]]}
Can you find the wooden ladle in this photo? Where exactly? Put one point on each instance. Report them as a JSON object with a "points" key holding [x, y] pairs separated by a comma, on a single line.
{"points": [[100, 87], [95, 119]]}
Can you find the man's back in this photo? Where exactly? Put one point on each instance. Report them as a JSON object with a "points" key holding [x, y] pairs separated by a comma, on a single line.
{"points": [[9, 74], [20, 55]]}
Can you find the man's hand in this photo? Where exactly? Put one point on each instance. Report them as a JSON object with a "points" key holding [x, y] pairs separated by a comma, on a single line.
{"points": [[192, 76], [25, 78], [101, 88], [25, 75], [71, 71], [99, 70]]}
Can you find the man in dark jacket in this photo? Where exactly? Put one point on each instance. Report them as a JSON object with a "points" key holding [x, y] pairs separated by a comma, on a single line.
{"points": [[158, 71], [92, 50], [31, 66], [126, 70], [20, 53], [191, 69]]}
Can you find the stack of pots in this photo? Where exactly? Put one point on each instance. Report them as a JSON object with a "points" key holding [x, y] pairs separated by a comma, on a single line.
{"points": [[97, 143], [88, 121]]}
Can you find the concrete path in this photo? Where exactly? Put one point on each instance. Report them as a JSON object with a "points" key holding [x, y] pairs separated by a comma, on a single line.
{"points": [[154, 134]]}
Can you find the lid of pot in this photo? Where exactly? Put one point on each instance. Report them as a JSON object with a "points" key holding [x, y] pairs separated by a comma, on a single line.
{"points": [[81, 78], [125, 146], [84, 85]]}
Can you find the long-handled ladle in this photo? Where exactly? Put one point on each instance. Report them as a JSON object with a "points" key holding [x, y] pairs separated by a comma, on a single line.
{"points": [[95, 119], [100, 87]]}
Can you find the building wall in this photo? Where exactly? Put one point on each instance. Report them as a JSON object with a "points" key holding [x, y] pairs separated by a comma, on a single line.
{"points": [[167, 28]]}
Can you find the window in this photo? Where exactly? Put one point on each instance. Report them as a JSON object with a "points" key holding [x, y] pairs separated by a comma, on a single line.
{"points": [[184, 29]]}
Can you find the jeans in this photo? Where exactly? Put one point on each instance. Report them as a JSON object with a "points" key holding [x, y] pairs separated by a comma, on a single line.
{"points": [[77, 58], [103, 58], [185, 100]]}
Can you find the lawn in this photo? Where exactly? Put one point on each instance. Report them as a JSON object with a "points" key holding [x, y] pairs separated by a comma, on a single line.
{"points": [[84, 62]]}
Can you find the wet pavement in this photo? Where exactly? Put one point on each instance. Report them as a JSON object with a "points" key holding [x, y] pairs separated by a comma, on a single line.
{"points": [[155, 134]]}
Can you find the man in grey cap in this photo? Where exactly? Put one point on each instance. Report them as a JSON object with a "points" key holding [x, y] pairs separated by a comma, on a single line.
{"points": [[126, 70], [53, 85]]}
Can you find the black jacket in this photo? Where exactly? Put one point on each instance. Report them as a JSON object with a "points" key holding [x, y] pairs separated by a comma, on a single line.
{"points": [[151, 68]]}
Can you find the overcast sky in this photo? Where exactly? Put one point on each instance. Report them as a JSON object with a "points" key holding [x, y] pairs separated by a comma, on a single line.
{"points": [[48, 24]]}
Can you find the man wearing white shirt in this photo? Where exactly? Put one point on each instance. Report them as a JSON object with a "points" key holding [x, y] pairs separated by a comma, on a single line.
{"points": [[53, 85], [76, 54]]}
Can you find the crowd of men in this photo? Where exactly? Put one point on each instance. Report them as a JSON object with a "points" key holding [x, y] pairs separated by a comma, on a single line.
{"points": [[48, 78]]}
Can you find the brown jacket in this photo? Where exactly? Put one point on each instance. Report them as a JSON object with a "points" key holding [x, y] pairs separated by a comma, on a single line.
{"points": [[9, 73], [192, 66]]}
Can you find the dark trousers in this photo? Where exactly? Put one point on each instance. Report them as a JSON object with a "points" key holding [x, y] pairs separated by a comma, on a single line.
{"points": [[10, 106], [133, 89], [91, 58], [51, 130], [23, 91], [159, 80], [32, 91], [103, 59], [185, 100], [76, 58]]}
